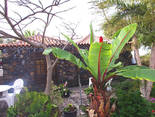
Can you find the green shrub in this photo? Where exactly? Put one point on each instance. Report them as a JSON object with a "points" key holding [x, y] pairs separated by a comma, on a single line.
{"points": [[33, 104], [55, 94], [89, 90], [129, 102], [145, 59], [127, 85], [153, 91], [70, 108]]}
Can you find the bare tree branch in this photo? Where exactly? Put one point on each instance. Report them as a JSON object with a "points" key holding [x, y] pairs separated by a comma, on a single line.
{"points": [[46, 25], [64, 10], [30, 22], [6, 35], [18, 15], [41, 4], [6, 7], [2, 7]]}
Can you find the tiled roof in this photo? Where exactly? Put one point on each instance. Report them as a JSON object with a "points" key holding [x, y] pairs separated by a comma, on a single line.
{"points": [[37, 38], [86, 40], [48, 41]]}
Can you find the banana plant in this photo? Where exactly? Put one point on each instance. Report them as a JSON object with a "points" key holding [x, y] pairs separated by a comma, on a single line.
{"points": [[100, 62]]}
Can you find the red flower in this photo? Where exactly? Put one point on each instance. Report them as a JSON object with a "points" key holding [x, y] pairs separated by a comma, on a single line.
{"points": [[153, 111], [101, 39]]}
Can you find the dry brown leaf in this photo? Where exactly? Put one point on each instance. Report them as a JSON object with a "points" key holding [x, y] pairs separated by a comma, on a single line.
{"points": [[91, 113]]}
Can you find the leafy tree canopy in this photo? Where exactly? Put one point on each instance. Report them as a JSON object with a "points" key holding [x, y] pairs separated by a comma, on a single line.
{"points": [[141, 12]]}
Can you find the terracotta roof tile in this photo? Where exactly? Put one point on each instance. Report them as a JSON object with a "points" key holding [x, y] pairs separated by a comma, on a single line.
{"points": [[37, 38], [48, 41], [86, 40]]}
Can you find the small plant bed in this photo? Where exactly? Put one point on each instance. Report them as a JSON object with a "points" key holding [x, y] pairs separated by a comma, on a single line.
{"points": [[33, 104], [70, 111]]}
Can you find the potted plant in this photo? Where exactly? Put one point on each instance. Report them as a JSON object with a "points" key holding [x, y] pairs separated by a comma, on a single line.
{"points": [[70, 111], [100, 61], [65, 92]]}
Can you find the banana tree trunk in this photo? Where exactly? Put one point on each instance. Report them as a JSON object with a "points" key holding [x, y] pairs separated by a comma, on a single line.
{"points": [[152, 66], [100, 100], [138, 60]]}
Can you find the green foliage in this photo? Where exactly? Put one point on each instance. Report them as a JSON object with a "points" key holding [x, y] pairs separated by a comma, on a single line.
{"points": [[141, 12], [137, 72], [129, 102], [83, 108], [105, 56], [83, 52], [145, 59], [28, 33], [63, 54], [33, 104], [102, 56], [65, 92], [120, 39], [127, 85], [91, 35], [55, 95], [153, 92], [70, 108], [109, 52], [89, 90]]}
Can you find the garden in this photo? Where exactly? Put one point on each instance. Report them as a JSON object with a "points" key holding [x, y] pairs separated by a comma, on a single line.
{"points": [[102, 102], [115, 89]]}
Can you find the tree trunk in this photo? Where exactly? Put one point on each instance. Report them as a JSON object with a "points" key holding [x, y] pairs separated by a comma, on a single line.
{"points": [[49, 75], [138, 60], [152, 66], [50, 67], [136, 51]]}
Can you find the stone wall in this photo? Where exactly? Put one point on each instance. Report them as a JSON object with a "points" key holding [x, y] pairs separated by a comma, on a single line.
{"points": [[29, 64], [3, 108], [26, 63]]}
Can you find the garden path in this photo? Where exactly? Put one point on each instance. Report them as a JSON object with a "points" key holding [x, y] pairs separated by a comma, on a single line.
{"points": [[76, 100]]}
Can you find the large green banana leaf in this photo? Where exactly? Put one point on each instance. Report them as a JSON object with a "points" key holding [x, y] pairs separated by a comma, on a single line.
{"points": [[137, 72], [83, 52], [146, 74], [121, 38], [62, 54], [93, 59], [91, 35], [132, 67]]}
